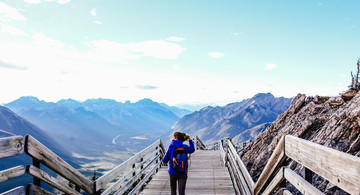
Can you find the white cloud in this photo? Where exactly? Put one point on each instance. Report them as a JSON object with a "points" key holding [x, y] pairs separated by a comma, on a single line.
{"points": [[8, 13], [93, 12], [237, 33], [42, 41], [63, 1], [13, 30], [157, 49], [216, 54], [32, 1], [269, 66], [175, 39], [97, 22]]}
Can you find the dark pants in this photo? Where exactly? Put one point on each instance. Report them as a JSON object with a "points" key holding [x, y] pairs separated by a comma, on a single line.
{"points": [[181, 180]]}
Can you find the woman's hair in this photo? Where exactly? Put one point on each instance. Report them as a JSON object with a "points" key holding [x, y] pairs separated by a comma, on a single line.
{"points": [[179, 136]]}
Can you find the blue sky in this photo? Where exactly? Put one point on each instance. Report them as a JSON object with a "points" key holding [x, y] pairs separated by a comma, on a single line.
{"points": [[176, 52]]}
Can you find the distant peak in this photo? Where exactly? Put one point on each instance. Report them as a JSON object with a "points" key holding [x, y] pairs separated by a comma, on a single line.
{"points": [[261, 95], [28, 99]]}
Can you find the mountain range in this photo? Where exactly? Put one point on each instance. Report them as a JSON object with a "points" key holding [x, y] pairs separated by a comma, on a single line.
{"points": [[242, 120], [99, 124]]}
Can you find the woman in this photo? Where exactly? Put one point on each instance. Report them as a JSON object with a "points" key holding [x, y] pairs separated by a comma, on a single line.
{"points": [[177, 176]]}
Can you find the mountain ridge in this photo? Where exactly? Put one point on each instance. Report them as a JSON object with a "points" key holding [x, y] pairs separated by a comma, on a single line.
{"points": [[215, 123]]}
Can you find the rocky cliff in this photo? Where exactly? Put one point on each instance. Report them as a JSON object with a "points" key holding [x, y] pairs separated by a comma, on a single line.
{"points": [[330, 121]]}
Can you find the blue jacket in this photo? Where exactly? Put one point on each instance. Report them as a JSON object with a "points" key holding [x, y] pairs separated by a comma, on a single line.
{"points": [[170, 153]]}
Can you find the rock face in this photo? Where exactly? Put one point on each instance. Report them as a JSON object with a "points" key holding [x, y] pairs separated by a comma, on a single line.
{"points": [[329, 121]]}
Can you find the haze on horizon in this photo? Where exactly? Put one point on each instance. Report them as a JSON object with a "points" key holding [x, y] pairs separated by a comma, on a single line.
{"points": [[185, 52]]}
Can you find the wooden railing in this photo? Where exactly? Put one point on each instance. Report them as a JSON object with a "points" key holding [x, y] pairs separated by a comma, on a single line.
{"points": [[339, 168], [198, 144], [127, 178], [133, 173], [12, 146]]}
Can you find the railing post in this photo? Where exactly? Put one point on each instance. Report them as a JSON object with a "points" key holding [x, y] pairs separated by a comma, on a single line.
{"points": [[36, 164], [308, 175]]}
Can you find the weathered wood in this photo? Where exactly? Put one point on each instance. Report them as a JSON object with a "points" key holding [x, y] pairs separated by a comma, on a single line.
{"points": [[205, 176], [135, 178], [136, 189], [11, 146], [222, 153], [36, 163], [16, 191], [277, 157], [232, 175], [308, 175], [52, 181], [300, 183], [245, 188], [32, 189], [11, 173], [287, 192], [114, 187], [199, 144], [249, 181], [275, 182], [38, 151], [337, 167], [238, 180], [114, 173]]}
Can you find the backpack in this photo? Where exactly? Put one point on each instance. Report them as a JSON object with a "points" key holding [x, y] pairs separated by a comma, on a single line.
{"points": [[180, 161]]}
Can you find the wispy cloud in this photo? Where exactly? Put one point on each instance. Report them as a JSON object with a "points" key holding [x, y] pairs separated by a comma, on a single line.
{"points": [[269, 66], [32, 1], [157, 49], [93, 12], [237, 33], [63, 1], [11, 66], [146, 87], [216, 54], [39, 1], [97, 22], [175, 39], [8, 13], [13, 30], [42, 41]]}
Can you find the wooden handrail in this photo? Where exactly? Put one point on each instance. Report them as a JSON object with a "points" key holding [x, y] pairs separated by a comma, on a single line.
{"points": [[9, 147], [339, 168], [198, 144], [45, 156], [131, 170]]}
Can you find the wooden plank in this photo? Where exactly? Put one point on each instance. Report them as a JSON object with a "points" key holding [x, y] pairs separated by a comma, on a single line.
{"points": [[244, 171], [277, 157], [136, 189], [32, 189], [135, 178], [114, 187], [300, 183], [275, 182], [52, 181], [199, 144], [11, 173], [238, 182], [38, 151], [11, 146], [114, 173], [287, 192], [339, 168], [241, 177], [15, 191]]}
